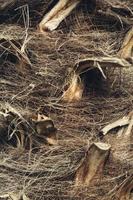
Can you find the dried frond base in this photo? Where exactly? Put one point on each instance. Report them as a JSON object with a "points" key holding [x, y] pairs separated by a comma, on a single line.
{"points": [[75, 90], [92, 164], [61, 10]]}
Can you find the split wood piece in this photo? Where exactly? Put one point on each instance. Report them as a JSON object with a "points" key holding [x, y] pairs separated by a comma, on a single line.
{"points": [[75, 90], [92, 164], [28, 126], [19, 135], [46, 128], [126, 120], [126, 50], [58, 13], [124, 191]]}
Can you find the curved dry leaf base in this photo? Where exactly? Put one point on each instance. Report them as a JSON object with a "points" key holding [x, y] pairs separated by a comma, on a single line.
{"points": [[126, 120], [75, 90], [92, 164], [119, 123], [89, 63], [126, 50], [59, 12]]}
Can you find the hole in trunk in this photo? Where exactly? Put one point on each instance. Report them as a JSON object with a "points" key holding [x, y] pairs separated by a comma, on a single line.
{"points": [[93, 81], [86, 81]]}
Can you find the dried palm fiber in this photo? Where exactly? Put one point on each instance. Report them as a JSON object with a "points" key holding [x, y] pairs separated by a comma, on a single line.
{"points": [[49, 173]]}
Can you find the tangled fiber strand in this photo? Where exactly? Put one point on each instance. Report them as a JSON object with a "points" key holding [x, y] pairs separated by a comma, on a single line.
{"points": [[48, 173]]}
